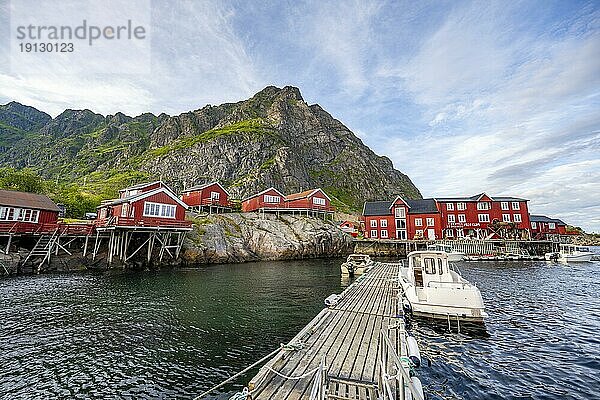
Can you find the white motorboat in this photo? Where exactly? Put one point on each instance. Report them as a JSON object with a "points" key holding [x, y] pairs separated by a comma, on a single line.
{"points": [[453, 256], [570, 253], [436, 290], [356, 264]]}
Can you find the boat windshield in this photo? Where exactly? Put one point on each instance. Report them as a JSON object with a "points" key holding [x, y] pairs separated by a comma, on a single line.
{"points": [[583, 249]]}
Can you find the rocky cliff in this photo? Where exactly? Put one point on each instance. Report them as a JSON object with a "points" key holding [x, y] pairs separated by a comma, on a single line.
{"points": [[232, 238], [272, 139]]}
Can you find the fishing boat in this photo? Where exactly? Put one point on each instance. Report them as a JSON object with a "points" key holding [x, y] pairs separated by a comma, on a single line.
{"points": [[570, 253], [453, 255], [432, 288], [356, 264]]}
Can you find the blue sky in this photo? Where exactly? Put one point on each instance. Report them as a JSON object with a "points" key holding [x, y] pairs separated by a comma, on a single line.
{"points": [[464, 97]]}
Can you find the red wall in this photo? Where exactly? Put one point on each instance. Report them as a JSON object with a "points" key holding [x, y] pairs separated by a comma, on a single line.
{"points": [[307, 202], [256, 202], [202, 197]]}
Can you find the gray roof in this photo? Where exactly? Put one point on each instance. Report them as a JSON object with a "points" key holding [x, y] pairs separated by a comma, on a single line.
{"points": [[475, 197], [422, 206], [36, 201], [543, 218], [377, 208]]}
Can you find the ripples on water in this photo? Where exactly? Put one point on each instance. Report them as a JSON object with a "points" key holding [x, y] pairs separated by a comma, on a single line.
{"points": [[175, 334]]}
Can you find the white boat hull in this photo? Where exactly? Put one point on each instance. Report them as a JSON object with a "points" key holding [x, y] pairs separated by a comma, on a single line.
{"points": [[576, 257]]}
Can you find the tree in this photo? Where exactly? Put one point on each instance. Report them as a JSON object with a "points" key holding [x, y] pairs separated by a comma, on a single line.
{"points": [[24, 180]]}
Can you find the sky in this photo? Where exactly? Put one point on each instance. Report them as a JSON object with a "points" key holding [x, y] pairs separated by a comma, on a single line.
{"points": [[463, 97]]}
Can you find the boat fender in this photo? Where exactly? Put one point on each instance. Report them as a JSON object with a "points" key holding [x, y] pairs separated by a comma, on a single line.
{"points": [[407, 307], [332, 300], [413, 350], [418, 387]]}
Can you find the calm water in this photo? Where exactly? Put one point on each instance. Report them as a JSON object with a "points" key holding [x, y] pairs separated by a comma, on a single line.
{"points": [[174, 334]]}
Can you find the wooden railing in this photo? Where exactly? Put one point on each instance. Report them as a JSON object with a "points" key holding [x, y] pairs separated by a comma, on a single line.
{"points": [[20, 227], [298, 206], [142, 222]]}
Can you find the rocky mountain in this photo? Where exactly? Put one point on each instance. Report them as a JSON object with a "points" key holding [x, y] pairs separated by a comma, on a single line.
{"points": [[272, 139]]}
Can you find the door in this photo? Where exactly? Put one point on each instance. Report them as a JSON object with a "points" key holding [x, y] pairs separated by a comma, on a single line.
{"points": [[431, 234]]}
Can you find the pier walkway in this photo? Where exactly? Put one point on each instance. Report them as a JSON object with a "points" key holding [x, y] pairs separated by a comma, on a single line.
{"points": [[354, 349]]}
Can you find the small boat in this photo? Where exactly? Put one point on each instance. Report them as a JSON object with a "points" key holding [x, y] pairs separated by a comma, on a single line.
{"points": [[356, 264], [453, 256], [570, 253], [434, 289]]}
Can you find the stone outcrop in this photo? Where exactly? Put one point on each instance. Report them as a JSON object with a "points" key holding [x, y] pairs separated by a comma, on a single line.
{"points": [[232, 238]]}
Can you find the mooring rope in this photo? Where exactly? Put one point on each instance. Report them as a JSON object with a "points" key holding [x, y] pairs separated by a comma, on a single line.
{"points": [[286, 347]]}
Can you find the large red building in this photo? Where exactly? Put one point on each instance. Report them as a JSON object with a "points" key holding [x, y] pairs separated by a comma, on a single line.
{"points": [[146, 205], [479, 216], [210, 196], [272, 200]]}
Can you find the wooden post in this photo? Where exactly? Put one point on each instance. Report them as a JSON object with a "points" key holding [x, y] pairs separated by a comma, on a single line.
{"points": [[85, 246]]}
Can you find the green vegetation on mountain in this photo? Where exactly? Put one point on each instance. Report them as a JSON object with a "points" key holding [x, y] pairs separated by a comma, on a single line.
{"points": [[272, 139]]}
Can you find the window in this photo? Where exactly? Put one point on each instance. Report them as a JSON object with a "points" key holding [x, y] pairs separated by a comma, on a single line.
{"points": [[384, 234], [516, 205], [533, 225], [373, 223], [517, 217], [449, 232], [383, 223], [418, 221], [124, 209], [318, 201], [504, 205], [429, 266], [271, 199], [451, 218], [552, 225], [462, 218], [159, 210], [484, 217], [400, 212], [440, 269], [430, 222], [461, 206], [373, 233], [215, 195], [29, 215], [450, 206], [483, 205], [460, 233], [506, 217], [419, 233], [400, 224]]}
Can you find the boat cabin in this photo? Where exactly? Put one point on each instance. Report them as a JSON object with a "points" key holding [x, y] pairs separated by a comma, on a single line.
{"points": [[572, 249], [425, 267]]}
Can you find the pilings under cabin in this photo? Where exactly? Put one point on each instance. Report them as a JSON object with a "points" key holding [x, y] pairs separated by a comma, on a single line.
{"points": [[354, 349]]}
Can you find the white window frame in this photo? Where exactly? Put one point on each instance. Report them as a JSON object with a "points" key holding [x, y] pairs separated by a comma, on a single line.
{"points": [[450, 206], [451, 218], [400, 212], [534, 225], [124, 209], [483, 217], [159, 210], [418, 221], [215, 195], [449, 232], [430, 221], [419, 232], [517, 218], [462, 218], [505, 217], [460, 233], [373, 233], [551, 225], [383, 223], [516, 205], [384, 234], [373, 223], [267, 198], [504, 206], [461, 206], [318, 201], [483, 206]]}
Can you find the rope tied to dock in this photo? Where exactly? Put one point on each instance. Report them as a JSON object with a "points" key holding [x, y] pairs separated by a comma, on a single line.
{"points": [[296, 346]]}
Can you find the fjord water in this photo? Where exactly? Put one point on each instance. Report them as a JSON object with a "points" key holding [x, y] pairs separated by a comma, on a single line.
{"points": [[173, 334]]}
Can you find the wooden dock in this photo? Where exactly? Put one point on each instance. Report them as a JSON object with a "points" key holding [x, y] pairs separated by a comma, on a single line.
{"points": [[355, 349]]}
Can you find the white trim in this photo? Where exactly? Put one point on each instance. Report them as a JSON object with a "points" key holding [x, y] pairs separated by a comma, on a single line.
{"points": [[394, 202], [517, 218], [202, 187], [161, 207], [383, 234], [485, 194], [163, 189], [263, 192]]}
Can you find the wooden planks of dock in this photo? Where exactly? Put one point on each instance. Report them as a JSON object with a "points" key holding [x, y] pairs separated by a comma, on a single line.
{"points": [[346, 339]]}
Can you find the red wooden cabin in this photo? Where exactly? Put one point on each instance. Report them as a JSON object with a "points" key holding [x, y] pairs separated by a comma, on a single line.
{"points": [[270, 199], [208, 196], [27, 212], [151, 205], [543, 226], [313, 200]]}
